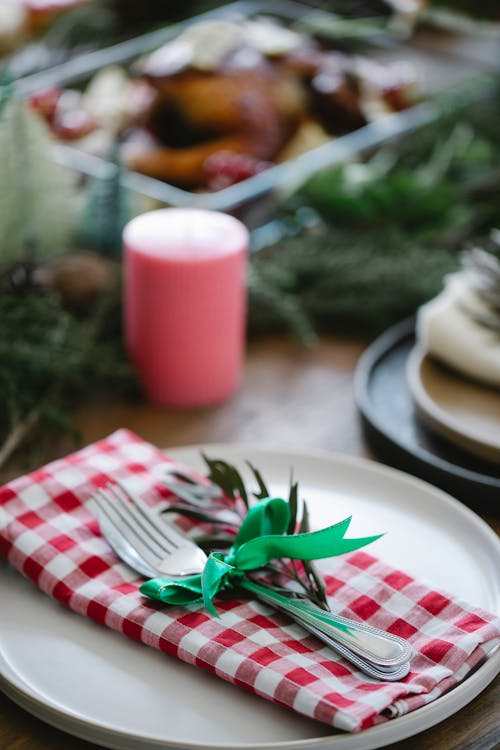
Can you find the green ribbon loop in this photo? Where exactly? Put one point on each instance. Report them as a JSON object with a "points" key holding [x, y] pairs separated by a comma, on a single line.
{"points": [[262, 537]]}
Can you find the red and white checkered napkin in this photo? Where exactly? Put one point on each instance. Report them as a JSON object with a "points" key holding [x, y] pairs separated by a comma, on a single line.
{"points": [[48, 531]]}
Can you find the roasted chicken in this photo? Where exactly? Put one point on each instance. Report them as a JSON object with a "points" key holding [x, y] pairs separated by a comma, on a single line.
{"points": [[225, 99]]}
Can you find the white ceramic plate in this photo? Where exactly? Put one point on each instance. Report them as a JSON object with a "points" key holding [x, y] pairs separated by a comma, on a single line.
{"points": [[99, 685]]}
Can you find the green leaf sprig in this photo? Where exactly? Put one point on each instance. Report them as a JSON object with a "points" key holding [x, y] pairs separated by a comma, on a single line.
{"points": [[222, 500]]}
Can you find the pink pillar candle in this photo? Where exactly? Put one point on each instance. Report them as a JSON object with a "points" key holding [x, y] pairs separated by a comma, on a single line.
{"points": [[185, 303]]}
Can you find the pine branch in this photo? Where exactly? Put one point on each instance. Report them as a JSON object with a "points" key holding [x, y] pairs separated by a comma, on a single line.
{"points": [[387, 231], [345, 283], [51, 359]]}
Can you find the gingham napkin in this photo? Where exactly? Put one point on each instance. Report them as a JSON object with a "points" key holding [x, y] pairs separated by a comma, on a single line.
{"points": [[48, 531]]}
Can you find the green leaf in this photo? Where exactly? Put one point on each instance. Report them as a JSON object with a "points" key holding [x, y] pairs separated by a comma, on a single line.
{"points": [[210, 542], [227, 477], [199, 515], [192, 493], [181, 476], [263, 490], [304, 521], [293, 504], [316, 579]]}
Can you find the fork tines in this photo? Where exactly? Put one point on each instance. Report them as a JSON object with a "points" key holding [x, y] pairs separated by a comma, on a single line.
{"points": [[132, 517]]}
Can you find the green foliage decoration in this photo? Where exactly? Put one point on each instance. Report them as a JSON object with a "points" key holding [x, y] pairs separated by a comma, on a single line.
{"points": [[387, 231], [52, 358], [339, 283], [225, 502]]}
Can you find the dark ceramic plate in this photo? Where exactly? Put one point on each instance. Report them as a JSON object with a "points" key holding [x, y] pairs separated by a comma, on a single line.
{"points": [[397, 436]]}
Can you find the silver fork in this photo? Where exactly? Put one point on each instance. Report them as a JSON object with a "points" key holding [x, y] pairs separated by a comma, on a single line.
{"points": [[154, 548]]}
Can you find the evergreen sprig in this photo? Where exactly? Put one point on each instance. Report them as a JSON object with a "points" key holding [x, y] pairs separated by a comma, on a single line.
{"points": [[336, 281], [387, 231], [50, 359]]}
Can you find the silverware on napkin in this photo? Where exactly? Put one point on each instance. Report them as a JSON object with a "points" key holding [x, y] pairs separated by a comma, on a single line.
{"points": [[154, 548]]}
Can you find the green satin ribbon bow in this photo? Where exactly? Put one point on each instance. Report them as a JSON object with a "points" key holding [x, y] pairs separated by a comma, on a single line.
{"points": [[262, 537]]}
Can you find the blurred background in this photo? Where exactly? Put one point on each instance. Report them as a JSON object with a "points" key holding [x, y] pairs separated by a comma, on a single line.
{"points": [[358, 141]]}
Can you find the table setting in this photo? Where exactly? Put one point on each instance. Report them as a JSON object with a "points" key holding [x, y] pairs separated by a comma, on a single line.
{"points": [[249, 447], [118, 606]]}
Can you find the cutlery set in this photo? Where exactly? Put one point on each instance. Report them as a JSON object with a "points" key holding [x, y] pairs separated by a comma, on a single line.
{"points": [[150, 545]]}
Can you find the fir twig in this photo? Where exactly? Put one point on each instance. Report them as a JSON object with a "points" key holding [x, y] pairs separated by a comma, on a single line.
{"points": [[50, 358], [387, 231], [347, 283]]}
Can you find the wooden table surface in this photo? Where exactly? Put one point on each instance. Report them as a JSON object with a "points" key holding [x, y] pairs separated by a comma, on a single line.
{"points": [[290, 397]]}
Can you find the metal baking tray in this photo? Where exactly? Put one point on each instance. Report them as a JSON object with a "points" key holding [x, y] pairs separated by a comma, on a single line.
{"points": [[252, 199]]}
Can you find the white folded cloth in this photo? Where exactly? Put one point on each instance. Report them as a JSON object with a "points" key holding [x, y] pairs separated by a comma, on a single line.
{"points": [[448, 331]]}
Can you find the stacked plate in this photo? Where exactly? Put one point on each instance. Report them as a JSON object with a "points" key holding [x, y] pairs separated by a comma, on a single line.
{"points": [[463, 412], [428, 420]]}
